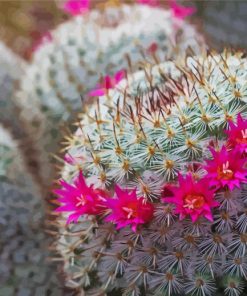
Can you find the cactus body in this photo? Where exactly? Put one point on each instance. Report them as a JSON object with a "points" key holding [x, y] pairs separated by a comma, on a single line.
{"points": [[152, 134], [65, 69]]}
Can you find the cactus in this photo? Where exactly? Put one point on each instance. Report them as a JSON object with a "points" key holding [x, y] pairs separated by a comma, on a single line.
{"points": [[152, 199], [11, 70], [68, 66], [219, 25], [23, 251]]}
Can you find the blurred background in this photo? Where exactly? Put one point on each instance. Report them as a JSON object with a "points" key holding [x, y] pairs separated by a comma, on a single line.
{"points": [[24, 22]]}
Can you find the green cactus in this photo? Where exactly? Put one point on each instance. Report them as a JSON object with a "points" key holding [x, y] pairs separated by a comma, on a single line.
{"points": [[155, 125], [24, 243], [68, 66]]}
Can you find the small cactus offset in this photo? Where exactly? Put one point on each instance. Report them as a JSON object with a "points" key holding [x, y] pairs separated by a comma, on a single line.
{"points": [[24, 265], [67, 67], [152, 199]]}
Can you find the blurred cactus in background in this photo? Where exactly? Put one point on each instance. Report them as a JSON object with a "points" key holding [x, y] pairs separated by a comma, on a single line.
{"points": [[224, 22], [11, 69], [154, 180], [67, 66], [23, 242], [24, 265]]}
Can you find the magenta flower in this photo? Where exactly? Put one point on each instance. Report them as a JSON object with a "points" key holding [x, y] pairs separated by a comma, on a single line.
{"points": [[128, 209], [69, 159], [226, 168], [192, 198], [75, 7], [73, 160], [237, 134], [149, 2], [181, 12], [108, 83], [79, 199]]}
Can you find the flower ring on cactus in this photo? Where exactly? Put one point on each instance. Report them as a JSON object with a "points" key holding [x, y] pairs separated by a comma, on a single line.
{"points": [[226, 168], [192, 198], [80, 199], [128, 209], [157, 136]]}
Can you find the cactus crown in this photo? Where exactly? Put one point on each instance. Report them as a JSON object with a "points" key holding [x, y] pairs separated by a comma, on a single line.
{"points": [[147, 147]]}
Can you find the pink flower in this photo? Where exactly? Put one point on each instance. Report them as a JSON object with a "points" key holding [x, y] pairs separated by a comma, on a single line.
{"points": [[181, 12], [75, 7], [69, 159], [128, 209], [237, 134], [108, 83], [192, 198], [226, 168], [149, 2], [79, 199]]}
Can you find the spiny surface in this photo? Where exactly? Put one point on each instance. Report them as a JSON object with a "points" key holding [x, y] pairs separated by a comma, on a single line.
{"points": [[141, 136], [69, 65]]}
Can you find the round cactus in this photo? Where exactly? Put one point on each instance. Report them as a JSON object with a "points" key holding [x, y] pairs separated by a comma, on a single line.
{"points": [[219, 24], [68, 65], [24, 247], [11, 70], [152, 199]]}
